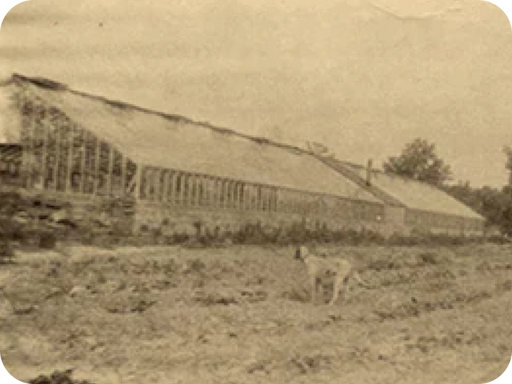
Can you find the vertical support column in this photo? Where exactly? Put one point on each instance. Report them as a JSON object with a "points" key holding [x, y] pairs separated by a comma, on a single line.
{"points": [[220, 195], [264, 199], [176, 188], [110, 171], [57, 157], [184, 190], [234, 197], [193, 190], [146, 176], [44, 155], [203, 191], [124, 166], [240, 203], [83, 157], [209, 186], [248, 197], [97, 159], [172, 187], [258, 198], [28, 151], [227, 194], [239, 191], [138, 181], [157, 177], [274, 199], [232, 194], [206, 191], [215, 192], [165, 189], [69, 165], [219, 190], [199, 193]]}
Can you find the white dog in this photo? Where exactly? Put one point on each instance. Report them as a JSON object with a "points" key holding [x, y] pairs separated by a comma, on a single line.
{"points": [[319, 268]]}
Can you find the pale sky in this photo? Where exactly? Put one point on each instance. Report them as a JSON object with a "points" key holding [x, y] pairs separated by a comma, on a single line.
{"points": [[363, 77]]}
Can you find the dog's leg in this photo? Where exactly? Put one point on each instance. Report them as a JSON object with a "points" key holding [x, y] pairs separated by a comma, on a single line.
{"points": [[347, 286], [313, 283], [337, 287], [320, 290]]}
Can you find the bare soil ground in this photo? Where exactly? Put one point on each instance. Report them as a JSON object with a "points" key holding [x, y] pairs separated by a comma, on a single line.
{"points": [[242, 314]]}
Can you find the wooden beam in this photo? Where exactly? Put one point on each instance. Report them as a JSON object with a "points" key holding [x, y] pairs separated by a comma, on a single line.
{"points": [[221, 185], [174, 188], [194, 190], [124, 165], [165, 190], [138, 180], [28, 150], [57, 157], [229, 194], [202, 190], [247, 200], [44, 155], [241, 196], [83, 153], [157, 177], [69, 165], [111, 154], [183, 186], [97, 156], [146, 176]]}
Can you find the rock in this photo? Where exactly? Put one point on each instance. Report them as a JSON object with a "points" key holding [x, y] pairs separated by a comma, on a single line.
{"points": [[78, 290]]}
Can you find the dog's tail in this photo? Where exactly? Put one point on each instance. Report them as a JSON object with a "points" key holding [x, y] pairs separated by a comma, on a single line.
{"points": [[360, 280]]}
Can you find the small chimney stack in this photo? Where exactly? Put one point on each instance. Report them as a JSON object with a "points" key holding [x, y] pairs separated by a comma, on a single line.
{"points": [[369, 172]]}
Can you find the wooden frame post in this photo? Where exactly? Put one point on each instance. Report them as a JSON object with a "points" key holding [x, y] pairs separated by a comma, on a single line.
{"points": [[83, 158], [97, 159], [69, 164], [146, 175], [110, 190], [57, 157], [124, 166], [195, 190], [28, 151], [165, 189], [44, 155], [138, 181], [241, 205]]}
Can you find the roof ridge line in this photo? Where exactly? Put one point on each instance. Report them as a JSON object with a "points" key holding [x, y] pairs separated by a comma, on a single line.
{"points": [[58, 86]]}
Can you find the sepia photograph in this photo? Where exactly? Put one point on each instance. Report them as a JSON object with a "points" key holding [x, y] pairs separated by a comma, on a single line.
{"points": [[203, 192]]}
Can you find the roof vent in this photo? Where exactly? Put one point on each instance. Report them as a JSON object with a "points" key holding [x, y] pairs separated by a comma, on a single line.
{"points": [[369, 172]]}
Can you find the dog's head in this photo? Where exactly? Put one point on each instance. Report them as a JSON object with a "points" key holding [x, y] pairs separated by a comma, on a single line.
{"points": [[301, 253]]}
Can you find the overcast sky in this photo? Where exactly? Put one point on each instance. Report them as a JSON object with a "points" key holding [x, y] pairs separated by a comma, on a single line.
{"points": [[364, 77]]}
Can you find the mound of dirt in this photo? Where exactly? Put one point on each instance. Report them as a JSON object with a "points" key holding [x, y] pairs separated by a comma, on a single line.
{"points": [[58, 377]]}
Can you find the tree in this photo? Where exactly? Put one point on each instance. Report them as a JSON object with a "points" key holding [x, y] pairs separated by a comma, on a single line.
{"points": [[419, 161]]}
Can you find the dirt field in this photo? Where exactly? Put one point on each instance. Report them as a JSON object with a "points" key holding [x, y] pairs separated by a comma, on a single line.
{"points": [[242, 315]]}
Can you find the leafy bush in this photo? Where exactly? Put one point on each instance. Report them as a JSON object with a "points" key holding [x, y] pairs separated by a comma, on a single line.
{"points": [[6, 252]]}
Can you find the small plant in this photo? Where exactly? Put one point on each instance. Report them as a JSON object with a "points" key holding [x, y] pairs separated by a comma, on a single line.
{"points": [[47, 240], [6, 252]]}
